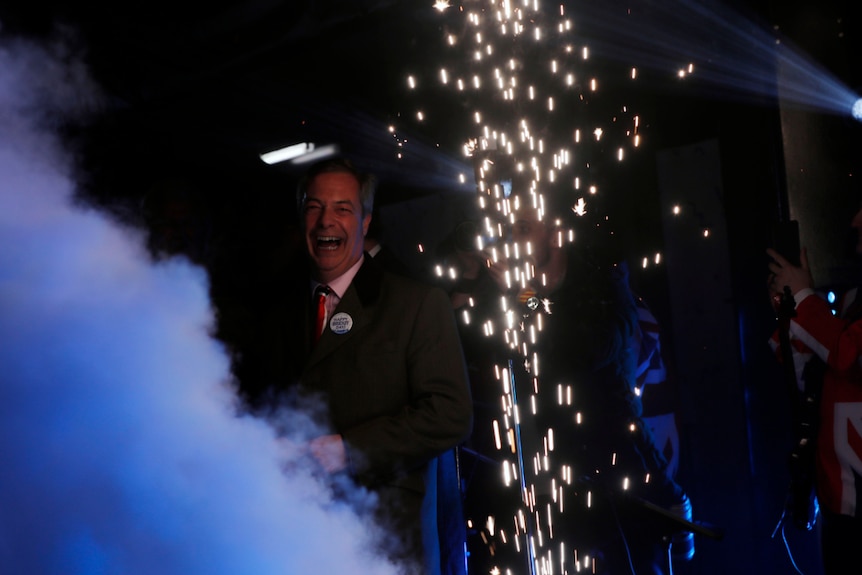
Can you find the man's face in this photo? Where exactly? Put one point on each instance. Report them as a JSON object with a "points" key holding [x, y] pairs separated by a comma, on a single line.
{"points": [[528, 229], [334, 224]]}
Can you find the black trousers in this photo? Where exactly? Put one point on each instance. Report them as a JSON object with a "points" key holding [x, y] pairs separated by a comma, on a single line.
{"points": [[840, 537]]}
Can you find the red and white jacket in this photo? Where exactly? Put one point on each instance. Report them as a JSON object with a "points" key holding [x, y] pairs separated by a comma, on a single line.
{"points": [[838, 342]]}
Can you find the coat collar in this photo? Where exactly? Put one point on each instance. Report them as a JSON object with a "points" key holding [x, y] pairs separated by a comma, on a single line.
{"points": [[362, 293], [368, 280]]}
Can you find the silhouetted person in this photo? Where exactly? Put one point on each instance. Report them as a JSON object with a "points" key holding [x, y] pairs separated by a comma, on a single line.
{"points": [[816, 336], [588, 419]]}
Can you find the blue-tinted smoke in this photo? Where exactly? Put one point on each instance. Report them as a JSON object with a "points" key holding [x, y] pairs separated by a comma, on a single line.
{"points": [[119, 449]]}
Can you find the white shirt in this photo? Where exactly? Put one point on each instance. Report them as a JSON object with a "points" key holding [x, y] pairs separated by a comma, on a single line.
{"points": [[338, 286]]}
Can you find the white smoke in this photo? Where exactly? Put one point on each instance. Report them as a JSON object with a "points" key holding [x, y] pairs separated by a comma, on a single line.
{"points": [[119, 449]]}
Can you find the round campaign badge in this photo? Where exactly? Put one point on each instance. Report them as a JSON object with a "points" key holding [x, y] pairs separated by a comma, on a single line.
{"points": [[341, 323]]}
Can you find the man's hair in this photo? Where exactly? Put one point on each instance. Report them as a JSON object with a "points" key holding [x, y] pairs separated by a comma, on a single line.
{"points": [[339, 165]]}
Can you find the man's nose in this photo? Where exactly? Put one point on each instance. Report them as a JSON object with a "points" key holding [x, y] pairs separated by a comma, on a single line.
{"points": [[324, 218]]}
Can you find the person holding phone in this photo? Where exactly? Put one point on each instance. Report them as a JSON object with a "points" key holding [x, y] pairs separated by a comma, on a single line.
{"points": [[816, 334]]}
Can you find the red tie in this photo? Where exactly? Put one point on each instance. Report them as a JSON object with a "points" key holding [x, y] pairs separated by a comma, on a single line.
{"points": [[320, 294]]}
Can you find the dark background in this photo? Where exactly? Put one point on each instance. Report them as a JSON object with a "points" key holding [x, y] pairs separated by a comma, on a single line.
{"points": [[195, 91]]}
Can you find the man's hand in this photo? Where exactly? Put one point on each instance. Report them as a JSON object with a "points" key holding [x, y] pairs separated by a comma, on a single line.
{"points": [[329, 452], [783, 273]]}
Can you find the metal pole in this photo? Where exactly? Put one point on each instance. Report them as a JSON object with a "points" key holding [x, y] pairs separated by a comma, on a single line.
{"points": [[519, 454]]}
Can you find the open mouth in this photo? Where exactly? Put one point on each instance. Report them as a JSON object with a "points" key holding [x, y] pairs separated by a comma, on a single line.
{"points": [[328, 242]]}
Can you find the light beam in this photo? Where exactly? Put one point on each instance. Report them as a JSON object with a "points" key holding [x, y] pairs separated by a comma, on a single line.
{"points": [[736, 54]]}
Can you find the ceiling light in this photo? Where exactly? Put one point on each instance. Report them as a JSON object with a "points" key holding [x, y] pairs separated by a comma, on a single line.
{"points": [[287, 153], [317, 154]]}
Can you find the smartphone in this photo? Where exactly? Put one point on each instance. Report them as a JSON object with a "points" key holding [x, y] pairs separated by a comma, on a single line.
{"points": [[785, 240]]}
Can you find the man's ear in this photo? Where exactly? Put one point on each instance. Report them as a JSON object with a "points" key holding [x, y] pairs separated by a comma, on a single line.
{"points": [[366, 221]]}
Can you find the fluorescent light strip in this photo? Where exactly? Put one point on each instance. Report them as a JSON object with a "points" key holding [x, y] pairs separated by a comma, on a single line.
{"points": [[287, 153], [318, 154]]}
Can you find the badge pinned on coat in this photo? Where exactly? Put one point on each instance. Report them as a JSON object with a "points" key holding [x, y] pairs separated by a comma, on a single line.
{"points": [[341, 323]]}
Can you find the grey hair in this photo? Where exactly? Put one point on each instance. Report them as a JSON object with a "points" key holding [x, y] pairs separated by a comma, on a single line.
{"points": [[339, 165]]}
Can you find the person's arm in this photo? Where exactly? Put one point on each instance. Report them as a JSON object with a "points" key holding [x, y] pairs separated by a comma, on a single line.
{"points": [[784, 277], [828, 336], [784, 274]]}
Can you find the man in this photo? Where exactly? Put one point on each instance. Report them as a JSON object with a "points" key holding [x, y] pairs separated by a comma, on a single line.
{"points": [[815, 334], [388, 365], [585, 344]]}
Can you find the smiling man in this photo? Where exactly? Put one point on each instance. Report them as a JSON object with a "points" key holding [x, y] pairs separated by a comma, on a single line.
{"points": [[386, 362], [336, 212]]}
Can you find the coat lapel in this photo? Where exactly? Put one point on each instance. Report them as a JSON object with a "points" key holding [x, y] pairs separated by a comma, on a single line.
{"points": [[357, 303]]}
